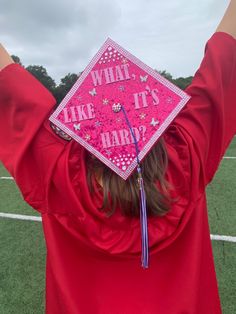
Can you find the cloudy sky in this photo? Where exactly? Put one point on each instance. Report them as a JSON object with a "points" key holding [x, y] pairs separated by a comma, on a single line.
{"points": [[64, 35]]}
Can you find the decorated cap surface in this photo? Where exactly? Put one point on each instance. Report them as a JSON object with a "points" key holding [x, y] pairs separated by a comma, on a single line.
{"points": [[91, 111]]}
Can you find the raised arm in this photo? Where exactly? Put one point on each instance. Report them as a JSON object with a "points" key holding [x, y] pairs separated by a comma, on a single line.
{"points": [[209, 119], [5, 58], [228, 22], [28, 147]]}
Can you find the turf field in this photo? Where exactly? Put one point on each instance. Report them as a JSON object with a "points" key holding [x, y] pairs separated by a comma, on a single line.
{"points": [[22, 249]]}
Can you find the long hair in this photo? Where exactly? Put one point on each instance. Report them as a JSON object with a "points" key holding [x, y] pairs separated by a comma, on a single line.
{"points": [[125, 193]]}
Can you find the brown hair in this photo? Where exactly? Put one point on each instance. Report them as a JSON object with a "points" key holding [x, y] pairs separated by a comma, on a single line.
{"points": [[125, 193]]}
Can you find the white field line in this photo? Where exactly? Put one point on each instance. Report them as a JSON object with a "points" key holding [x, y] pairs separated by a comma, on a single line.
{"points": [[11, 178], [223, 238], [20, 217], [215, 237]]}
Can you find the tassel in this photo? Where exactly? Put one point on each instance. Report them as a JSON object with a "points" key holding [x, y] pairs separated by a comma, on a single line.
{"points": [[143, 220], [143, 208]]}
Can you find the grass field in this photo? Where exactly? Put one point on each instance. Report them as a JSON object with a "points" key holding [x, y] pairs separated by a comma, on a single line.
{"points": [[22, 249]]}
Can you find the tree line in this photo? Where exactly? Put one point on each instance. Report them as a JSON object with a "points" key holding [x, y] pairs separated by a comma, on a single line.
{"points": [[59, 91]]}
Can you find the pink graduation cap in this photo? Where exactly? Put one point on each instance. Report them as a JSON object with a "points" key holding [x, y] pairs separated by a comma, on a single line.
{"points": [[117, 110]]}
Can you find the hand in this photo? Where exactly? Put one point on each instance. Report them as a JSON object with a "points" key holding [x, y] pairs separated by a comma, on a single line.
{"points": [[5, 58], [228, 22]]}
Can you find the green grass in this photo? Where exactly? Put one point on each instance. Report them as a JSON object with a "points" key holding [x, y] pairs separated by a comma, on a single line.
{"points": [[231, 151], [3, 171], [11, 199], [225, 263], [22, 253], [22, 257], [221, 199]]}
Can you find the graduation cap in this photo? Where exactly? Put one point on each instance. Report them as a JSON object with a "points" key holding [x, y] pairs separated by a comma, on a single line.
{"points": [[117, 110]]}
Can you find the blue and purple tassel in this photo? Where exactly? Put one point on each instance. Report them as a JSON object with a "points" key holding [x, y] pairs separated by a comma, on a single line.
{"points": [[143, 208]]}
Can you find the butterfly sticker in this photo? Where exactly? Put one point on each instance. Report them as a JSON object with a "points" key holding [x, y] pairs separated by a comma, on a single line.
{"points": [[93, 92], [77, 127], [143, 78], [154, 122]]}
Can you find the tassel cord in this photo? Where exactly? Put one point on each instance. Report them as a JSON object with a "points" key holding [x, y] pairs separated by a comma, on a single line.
{"points": [[143, 208]]}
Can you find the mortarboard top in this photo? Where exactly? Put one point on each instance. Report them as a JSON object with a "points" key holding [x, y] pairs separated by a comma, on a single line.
{"points": [[117, 109], [91, 111]]}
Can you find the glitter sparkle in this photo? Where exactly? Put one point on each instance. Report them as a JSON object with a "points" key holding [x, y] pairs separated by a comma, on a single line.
{"points": [[108, 152], [169, 100], [98, 123], [105, 101], [142, 116], [87, 137]]}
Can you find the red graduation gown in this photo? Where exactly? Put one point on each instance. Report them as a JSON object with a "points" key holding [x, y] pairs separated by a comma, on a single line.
{"points": [[93, 262]]}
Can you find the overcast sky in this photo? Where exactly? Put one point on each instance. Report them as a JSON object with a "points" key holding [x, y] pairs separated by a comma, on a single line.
{"points": [[64, 35]]}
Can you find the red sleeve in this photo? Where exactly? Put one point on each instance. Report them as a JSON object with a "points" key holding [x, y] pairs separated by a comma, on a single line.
{"points": [[28, 148], [209, 118]]}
